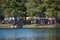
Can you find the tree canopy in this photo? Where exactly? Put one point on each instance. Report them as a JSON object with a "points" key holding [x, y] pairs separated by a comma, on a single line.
{"points": [[30, 7]]}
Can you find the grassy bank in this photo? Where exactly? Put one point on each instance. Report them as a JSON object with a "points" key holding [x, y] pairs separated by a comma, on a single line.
{"points": [[5, 25]]}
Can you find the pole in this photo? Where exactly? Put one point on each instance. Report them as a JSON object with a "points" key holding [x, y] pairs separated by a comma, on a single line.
{"points": [[56, 18], [25, 18]]}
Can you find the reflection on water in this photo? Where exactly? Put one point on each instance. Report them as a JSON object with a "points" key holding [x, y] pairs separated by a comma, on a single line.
{"points": [[28, 34]]}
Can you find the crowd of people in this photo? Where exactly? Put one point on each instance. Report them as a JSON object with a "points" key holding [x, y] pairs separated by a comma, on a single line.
{"points": [[42, 21], [20, 22], [13, 21], [30, 21]]}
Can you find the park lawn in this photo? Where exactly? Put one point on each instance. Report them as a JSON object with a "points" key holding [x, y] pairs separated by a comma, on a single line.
{"points": [[33, 25], [30, 25], [5, 25]]}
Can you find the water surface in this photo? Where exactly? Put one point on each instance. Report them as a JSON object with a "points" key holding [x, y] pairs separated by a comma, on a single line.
{"points": [[43, 33]]}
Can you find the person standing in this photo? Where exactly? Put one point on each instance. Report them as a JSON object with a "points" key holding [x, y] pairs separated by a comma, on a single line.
{"points": [[20, 23], [46, 20], [53, 20], [49, 20]]}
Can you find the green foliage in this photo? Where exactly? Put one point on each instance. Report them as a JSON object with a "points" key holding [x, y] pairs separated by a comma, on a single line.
{"points": [[29, 7]]}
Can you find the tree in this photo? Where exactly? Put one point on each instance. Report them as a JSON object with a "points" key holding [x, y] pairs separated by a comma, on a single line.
{"points": [[30, 7]]}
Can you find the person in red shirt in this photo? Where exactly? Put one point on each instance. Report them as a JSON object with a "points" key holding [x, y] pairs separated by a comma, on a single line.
{"points": [[53, 20]]}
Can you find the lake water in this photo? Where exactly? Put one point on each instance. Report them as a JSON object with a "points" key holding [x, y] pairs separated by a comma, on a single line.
{"points": [[29, 34]]}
